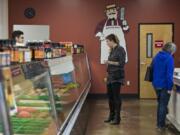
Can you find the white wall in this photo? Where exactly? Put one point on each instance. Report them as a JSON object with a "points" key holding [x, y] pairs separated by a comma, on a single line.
{"points": [[3, 19], [34, 32]]}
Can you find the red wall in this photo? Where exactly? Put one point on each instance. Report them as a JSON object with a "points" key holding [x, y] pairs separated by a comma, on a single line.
{"points": [[76, 20]]}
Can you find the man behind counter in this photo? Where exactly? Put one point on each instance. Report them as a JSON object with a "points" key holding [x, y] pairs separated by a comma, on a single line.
{"points": [[18, 36]]}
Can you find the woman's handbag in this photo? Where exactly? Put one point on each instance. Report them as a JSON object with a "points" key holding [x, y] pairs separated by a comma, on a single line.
{"points": [[149, 73]]}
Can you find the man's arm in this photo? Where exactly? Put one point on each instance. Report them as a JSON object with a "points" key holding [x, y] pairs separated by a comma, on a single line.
{"points": [[99, 28], [170, 72]]}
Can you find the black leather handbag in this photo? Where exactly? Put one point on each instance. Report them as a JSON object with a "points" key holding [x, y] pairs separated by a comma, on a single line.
{"points": [[149, 74]]}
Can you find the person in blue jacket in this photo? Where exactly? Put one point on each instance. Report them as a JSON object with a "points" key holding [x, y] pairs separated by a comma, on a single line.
{"points": [[163, 69]]}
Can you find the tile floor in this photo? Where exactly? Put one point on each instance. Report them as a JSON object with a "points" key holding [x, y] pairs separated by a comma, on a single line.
{"points": [[138, 118]]}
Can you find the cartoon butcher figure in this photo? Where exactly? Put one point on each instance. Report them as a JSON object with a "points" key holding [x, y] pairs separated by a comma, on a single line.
{"points": [[112, 25]]}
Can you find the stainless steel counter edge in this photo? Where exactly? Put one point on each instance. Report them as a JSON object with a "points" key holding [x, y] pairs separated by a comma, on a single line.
{"points": [[176, 80], [67, 126], [174, 122], [173, 106], [4, 113]]}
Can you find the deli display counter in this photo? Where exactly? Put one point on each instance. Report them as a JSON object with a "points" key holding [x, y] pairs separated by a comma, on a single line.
{"points": [[45, 97], [174, 103], [29, 100]]}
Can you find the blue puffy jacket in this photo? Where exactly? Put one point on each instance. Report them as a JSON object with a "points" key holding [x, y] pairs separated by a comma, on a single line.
{"points": [[163, 69]]}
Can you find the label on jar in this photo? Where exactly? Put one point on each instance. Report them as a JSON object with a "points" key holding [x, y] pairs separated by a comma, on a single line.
{"points": [[78, 50], [8, 58], [41, 54], [21, 56], [3, 59], [12, 56], [36, 54], [16, 56], [27, 56]]}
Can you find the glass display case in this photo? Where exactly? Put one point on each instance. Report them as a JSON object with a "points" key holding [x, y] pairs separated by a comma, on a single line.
{"points": [[45, 97], [30, 101], [70, 77], [174, 103]]}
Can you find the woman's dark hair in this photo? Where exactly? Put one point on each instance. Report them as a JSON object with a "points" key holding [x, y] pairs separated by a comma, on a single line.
{"points": [[17, 33], [113, 38]]}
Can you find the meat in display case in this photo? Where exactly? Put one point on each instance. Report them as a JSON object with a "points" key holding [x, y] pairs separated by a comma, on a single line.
{"points": [[29, 100]]}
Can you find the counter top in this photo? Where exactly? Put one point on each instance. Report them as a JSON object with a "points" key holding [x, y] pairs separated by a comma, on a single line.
{"points": [[177, 76]]}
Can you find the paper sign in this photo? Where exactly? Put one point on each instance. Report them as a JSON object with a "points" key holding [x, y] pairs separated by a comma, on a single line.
{"points": [[60, 66]]}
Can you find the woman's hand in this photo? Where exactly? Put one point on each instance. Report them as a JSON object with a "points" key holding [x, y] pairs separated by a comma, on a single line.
{"points": [[111, 63], [105, 79], [106, 61]]}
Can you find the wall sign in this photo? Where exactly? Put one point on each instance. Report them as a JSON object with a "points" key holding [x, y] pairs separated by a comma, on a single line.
{"points": [[159, 43]]}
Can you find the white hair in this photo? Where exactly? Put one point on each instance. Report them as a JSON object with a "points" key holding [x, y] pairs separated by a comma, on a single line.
{"points": [[170, 47]]}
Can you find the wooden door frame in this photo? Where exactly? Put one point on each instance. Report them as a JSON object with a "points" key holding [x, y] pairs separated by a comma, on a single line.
{"points": [[139, 24]]}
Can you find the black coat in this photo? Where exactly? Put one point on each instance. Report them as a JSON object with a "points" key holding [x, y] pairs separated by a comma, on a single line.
{"points": [[116, 73]]}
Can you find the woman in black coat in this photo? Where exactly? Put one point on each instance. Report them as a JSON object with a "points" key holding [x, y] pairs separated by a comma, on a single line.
{"points": [[115, 79]]}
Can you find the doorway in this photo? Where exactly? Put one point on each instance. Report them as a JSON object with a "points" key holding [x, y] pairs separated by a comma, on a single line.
{"points": [[152, 37]]}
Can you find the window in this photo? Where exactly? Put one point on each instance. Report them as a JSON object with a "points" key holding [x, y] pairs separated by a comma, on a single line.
{"points": [[149, 45]]}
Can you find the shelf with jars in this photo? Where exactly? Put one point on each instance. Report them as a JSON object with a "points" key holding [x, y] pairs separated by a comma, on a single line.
{"points": [[35, 51]]}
